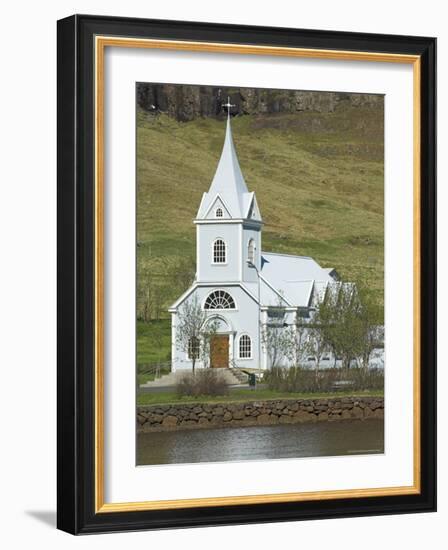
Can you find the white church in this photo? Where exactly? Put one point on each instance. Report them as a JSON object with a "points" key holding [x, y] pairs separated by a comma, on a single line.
{"points": [[239, 285]]}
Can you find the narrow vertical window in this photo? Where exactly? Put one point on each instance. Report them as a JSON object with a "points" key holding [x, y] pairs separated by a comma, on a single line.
{"points": [[251, 251], [219, 252], [245, 351], [218, 213]]}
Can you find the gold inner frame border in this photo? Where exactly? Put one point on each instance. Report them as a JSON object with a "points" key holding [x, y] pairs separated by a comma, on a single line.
{"points": [[100, 44]]}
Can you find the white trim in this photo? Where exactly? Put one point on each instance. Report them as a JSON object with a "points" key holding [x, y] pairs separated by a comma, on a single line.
{"points": [[240, 248], [264, 354], [222, 318], [231, 347], [173, 342], [247, 223], [290, 256], [198, 252]]}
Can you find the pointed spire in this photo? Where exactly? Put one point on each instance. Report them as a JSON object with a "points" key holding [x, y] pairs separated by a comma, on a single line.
{"points": [[228, 185], [229, 106]]}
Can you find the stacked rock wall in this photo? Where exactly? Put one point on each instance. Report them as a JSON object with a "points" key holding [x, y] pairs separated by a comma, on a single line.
{"points": [[256, 413]]}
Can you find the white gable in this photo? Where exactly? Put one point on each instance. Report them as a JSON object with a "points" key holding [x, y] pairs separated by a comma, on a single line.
{"points": [[218, 203], [252, 212]]}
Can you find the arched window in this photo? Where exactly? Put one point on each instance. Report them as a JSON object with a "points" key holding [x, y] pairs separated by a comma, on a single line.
{"points": [[251, 251], [218, 213], [193, 348], [219, 299], [219, 252], [245, 349]]}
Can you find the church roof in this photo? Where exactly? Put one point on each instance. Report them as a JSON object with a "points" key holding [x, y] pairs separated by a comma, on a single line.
{"points": [[291, 279], [228, 189]]}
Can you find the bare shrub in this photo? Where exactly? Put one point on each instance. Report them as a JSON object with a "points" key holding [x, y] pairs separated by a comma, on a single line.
{"points": [[367, 379], [202, 382], [302, 380]]}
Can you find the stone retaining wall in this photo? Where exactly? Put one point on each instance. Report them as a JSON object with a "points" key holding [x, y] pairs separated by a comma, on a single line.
{"points": [[256, 413]]}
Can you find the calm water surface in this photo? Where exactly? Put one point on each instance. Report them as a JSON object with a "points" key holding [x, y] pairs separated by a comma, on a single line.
{"points": [[264, 442]]}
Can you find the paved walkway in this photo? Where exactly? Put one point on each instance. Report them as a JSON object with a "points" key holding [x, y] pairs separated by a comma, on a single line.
{"points": [[170, 380]]}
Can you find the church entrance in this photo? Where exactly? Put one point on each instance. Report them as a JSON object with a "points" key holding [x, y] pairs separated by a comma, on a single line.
{"points": [[219, 351]]}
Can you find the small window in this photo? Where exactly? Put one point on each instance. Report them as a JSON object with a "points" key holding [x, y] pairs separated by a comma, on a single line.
{"points": [[219, 252], [251, 251], [193, 348], [218, 213], [245, 347]]}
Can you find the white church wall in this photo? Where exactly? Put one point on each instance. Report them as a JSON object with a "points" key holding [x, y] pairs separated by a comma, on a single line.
{"points": [[241, 320], [206, 269]]}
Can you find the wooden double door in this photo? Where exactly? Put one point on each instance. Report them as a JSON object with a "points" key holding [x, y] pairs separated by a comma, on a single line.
{"points": [[219, 351]]}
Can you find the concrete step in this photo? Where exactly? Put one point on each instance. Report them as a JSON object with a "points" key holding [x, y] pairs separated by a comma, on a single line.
{"points": [[239, 375]]}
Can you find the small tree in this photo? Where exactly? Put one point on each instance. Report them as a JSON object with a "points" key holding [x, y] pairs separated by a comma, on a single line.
{"points": [[347, 319], [145, 293], [193, 334], [371, 331], [275, 335], [317, 343], [338, 315], [276, 341], [296, 340]]}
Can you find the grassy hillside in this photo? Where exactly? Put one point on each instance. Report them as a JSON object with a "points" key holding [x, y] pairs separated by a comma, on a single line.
{"points": [[318, 179]]}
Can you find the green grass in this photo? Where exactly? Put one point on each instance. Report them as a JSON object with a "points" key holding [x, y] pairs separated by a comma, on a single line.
{"points": [[153, 347], [318, 179], [171, 398]]}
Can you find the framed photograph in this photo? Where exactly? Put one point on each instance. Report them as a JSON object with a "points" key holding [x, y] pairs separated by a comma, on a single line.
{"points": [[246, 274]]}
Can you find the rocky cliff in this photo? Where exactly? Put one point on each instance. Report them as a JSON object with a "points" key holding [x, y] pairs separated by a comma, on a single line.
{"points": [[185, 103]]}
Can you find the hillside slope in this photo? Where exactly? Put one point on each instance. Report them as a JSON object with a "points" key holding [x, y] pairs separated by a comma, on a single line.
{"points": [[318, 179]]}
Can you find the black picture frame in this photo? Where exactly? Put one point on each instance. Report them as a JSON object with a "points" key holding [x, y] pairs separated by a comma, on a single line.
{"points": [[76, 255]]}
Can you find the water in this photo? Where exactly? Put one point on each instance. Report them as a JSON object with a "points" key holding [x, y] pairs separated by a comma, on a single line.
{"points": [[347, 437]]}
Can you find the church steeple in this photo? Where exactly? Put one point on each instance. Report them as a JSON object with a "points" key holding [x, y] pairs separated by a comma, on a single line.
{"points": [[228, 224], [228, 190]]}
